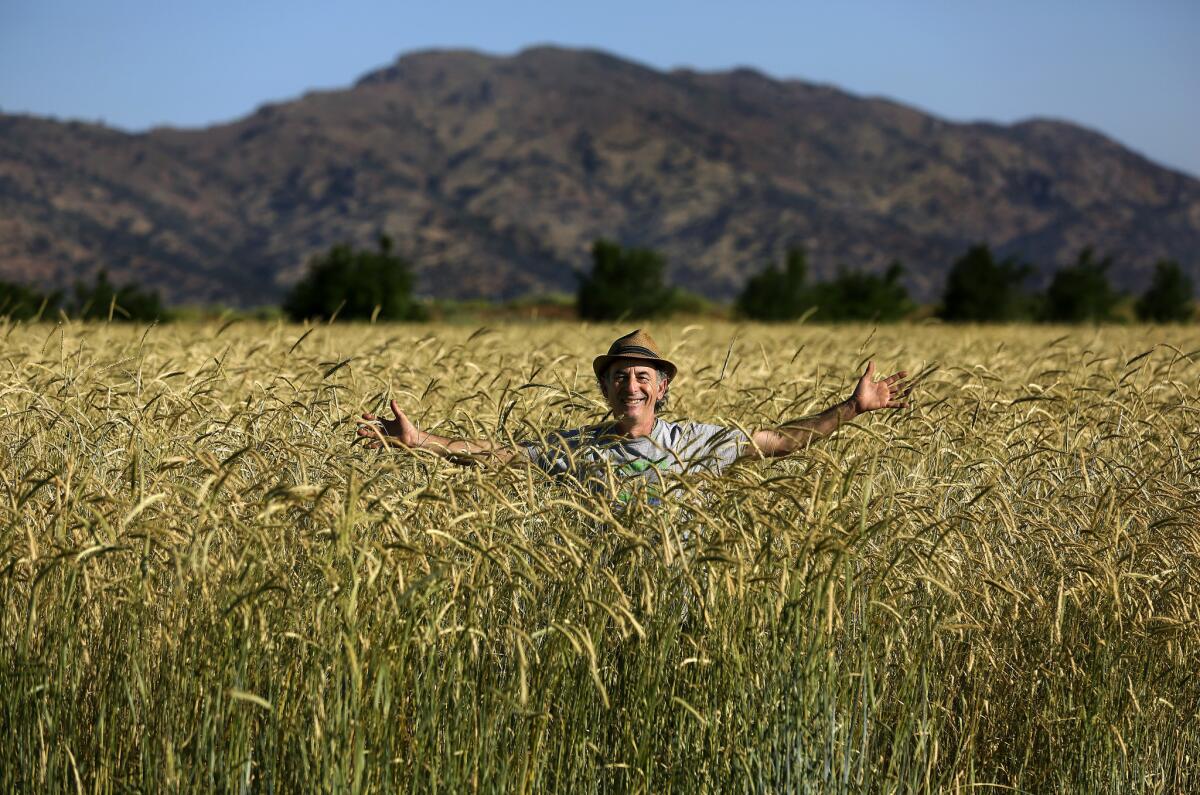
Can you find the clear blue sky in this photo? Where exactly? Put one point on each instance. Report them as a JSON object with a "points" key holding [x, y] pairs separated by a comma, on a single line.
{"points": [[1129, 69]]}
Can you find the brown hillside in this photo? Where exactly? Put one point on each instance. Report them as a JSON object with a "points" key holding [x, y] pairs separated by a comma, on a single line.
{"points": [[496, 173]]}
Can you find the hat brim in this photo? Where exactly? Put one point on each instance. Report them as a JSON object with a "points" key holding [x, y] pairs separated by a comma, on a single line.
{"points": [[601, 363]]}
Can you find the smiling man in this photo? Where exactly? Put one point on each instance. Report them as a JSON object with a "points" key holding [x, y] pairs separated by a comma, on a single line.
{"points": [[637, 445]]}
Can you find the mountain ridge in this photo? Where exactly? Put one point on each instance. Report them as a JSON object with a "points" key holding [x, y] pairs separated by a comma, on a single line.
{"points": [[495, 173]]}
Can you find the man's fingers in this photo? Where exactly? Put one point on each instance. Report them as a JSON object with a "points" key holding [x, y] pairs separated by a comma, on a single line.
{"points": [[369, 436], [373, 436], [870, 372], [894, 377], [396, 412]]}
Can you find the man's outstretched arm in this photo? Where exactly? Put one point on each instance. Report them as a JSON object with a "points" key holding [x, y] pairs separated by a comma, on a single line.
{"points": [[869, 395], [400, 432]]}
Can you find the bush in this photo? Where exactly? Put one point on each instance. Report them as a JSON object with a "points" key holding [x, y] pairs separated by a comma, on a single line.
{"points": [[19, 302], [1169, 297], [777, 294], [857, 295], [1081, 293], [981, 290], [686, 302], [355, 285], [782, 294], [624, 283], [105, 301]]}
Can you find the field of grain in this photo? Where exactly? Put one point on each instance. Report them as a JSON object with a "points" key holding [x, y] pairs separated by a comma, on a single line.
{"points": [[204, 585]]}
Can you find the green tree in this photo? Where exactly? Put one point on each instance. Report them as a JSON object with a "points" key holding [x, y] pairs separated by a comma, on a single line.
{"points": [[104, 300], [20, 302], [777, 293], [1169, 299], [981, 290], [858, 295], [624, 283], [355, 284], [1081, 293]]}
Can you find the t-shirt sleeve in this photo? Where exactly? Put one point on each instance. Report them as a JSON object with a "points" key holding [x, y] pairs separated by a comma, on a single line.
{"points": [[551, 454], [714, 447], [534, 451]]}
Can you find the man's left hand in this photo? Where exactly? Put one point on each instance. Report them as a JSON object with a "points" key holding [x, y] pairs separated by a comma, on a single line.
{"points": [[890, 393]]}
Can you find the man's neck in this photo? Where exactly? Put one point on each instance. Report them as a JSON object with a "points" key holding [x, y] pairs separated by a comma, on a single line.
{"points": [[632, 431]]}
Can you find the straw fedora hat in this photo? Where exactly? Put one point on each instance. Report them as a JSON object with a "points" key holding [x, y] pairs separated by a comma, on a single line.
{"points": [[636, 344]]}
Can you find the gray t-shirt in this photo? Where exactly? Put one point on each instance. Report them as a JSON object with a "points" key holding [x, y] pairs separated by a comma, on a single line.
{"points": [[597, 458]]}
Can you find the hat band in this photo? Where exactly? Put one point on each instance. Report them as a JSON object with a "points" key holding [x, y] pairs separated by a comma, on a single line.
{"points": [[635, 349]]}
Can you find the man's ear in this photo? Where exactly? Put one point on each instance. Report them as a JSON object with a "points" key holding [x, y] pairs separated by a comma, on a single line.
{"points": [[662, 387]]}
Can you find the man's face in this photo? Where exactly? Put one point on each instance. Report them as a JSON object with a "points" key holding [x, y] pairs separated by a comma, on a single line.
{"points": [[632, 389]]}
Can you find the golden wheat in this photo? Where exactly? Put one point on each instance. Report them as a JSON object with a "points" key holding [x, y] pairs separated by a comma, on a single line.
{"points": [[205, 585]]}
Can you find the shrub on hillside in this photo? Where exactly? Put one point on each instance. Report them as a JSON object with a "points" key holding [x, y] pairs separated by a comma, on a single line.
{"points": [[103, 300], [783, 294], [1080, 293], [980, 289], [624, 283], [862, 296], [777, 293], [355, 284], [20, 302], [1170, 297]]}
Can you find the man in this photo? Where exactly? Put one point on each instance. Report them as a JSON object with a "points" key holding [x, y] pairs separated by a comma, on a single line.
{"points": [[637, 445]]}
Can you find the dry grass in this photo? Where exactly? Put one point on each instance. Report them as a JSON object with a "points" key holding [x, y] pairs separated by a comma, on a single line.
{"points": [[204, 585]]}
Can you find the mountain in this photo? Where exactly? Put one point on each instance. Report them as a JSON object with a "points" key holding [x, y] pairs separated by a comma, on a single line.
{"points": [[495, 174]]}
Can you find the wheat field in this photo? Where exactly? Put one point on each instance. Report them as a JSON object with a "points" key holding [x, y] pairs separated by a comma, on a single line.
{"points": [[205, 585]]}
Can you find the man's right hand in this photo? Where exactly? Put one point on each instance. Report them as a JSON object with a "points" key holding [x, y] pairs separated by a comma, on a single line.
{"points": [[397, 432]]}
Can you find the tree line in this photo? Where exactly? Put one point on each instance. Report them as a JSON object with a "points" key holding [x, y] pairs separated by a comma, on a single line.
{"points": [[979, 289], [630, 283], [99, 300]]}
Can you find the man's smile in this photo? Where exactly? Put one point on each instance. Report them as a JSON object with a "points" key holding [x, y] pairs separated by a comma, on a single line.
{"points": [[632, 404]]}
